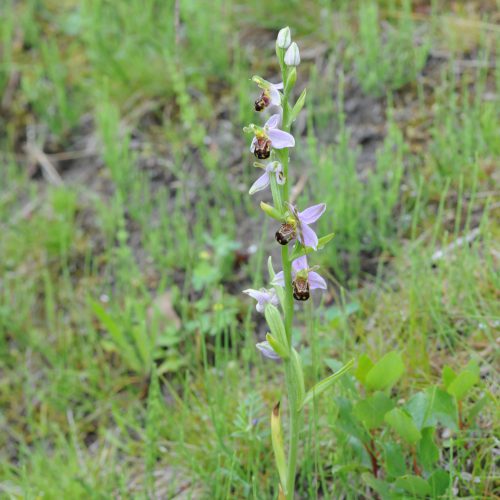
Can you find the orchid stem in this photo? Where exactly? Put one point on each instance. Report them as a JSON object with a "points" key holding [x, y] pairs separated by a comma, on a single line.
{"points": [[293, 405]]}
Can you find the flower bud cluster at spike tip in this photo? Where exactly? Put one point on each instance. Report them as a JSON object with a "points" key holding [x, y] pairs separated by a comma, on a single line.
{"points": [[284, 38], [292, 56]]}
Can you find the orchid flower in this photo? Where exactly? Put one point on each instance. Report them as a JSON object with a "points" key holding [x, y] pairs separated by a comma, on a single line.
{"points": [[266, 350], [264, 180], [297, 225], [263, 297], [269, 96], [269, 136], [304, 279]]}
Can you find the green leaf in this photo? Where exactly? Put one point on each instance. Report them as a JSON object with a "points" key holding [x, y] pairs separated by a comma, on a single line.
{"points": [[428, 452], [439, 481], [379, 486], [326, 383], [365, 364], [371, 411], [346, 422], [415, 485], [299, 250], [463, 383], [277, 346], [433, 406], [403, 424], [275, 323], [386, 372], [448, 376], [297, 379], [395, 462], [297, 108]]}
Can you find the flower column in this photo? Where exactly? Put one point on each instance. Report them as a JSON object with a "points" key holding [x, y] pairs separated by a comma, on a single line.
{"points": [[296, 280]]}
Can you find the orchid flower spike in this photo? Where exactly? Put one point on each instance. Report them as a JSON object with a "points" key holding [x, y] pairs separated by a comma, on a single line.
{"points": [[269, 136], [263, 297], [269, 96], [273, 167], [266, 350], [297, 226], [304, 279]]}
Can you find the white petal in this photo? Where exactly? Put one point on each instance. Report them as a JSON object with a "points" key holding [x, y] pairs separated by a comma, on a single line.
{"points": [[261, 183], [275, 97]]}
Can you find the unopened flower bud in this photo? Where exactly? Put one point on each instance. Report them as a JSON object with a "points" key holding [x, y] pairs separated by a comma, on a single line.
{"points": [[284, 38], [292, 56]]}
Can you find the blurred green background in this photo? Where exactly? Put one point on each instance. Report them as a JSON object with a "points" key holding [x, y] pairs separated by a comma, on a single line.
{"points": [[127, 359]]}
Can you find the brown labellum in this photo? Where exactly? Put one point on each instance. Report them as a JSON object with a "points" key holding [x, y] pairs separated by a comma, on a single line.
{"points": [[285, 233], [262, 149], [262, 102], [300, 289]]}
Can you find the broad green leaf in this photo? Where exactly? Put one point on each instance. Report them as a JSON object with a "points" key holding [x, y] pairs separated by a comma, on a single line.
{"points": [[448, 376], [463, 383], [381, 487], [415, 485], [433, 406], [326, 383], [439, 481], [403, 424], [275, 323], [346, 422], [386, 372], [395, 462], [428, 452], [371, 411], [365, 364]]}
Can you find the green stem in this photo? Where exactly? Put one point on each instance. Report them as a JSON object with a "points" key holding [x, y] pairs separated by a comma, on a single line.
{"points": [[293, 405]]}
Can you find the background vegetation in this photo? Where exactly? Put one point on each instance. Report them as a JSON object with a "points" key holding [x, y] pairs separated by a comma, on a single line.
{"points": [[127, 358]]}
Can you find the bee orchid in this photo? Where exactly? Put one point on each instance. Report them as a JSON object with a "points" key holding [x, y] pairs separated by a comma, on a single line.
{"points": [[269, 96], [266, 350], [304, 279], [269, 136], [264, 180], [263, 297], [297, 226]]}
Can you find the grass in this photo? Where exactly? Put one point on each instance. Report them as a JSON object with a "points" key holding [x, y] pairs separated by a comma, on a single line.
{"points": [[127, 357]]}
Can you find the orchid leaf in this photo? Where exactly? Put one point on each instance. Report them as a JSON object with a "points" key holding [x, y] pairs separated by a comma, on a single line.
{"points": [[273, 318], [326, 383], [277, 346], [297, 108]]}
